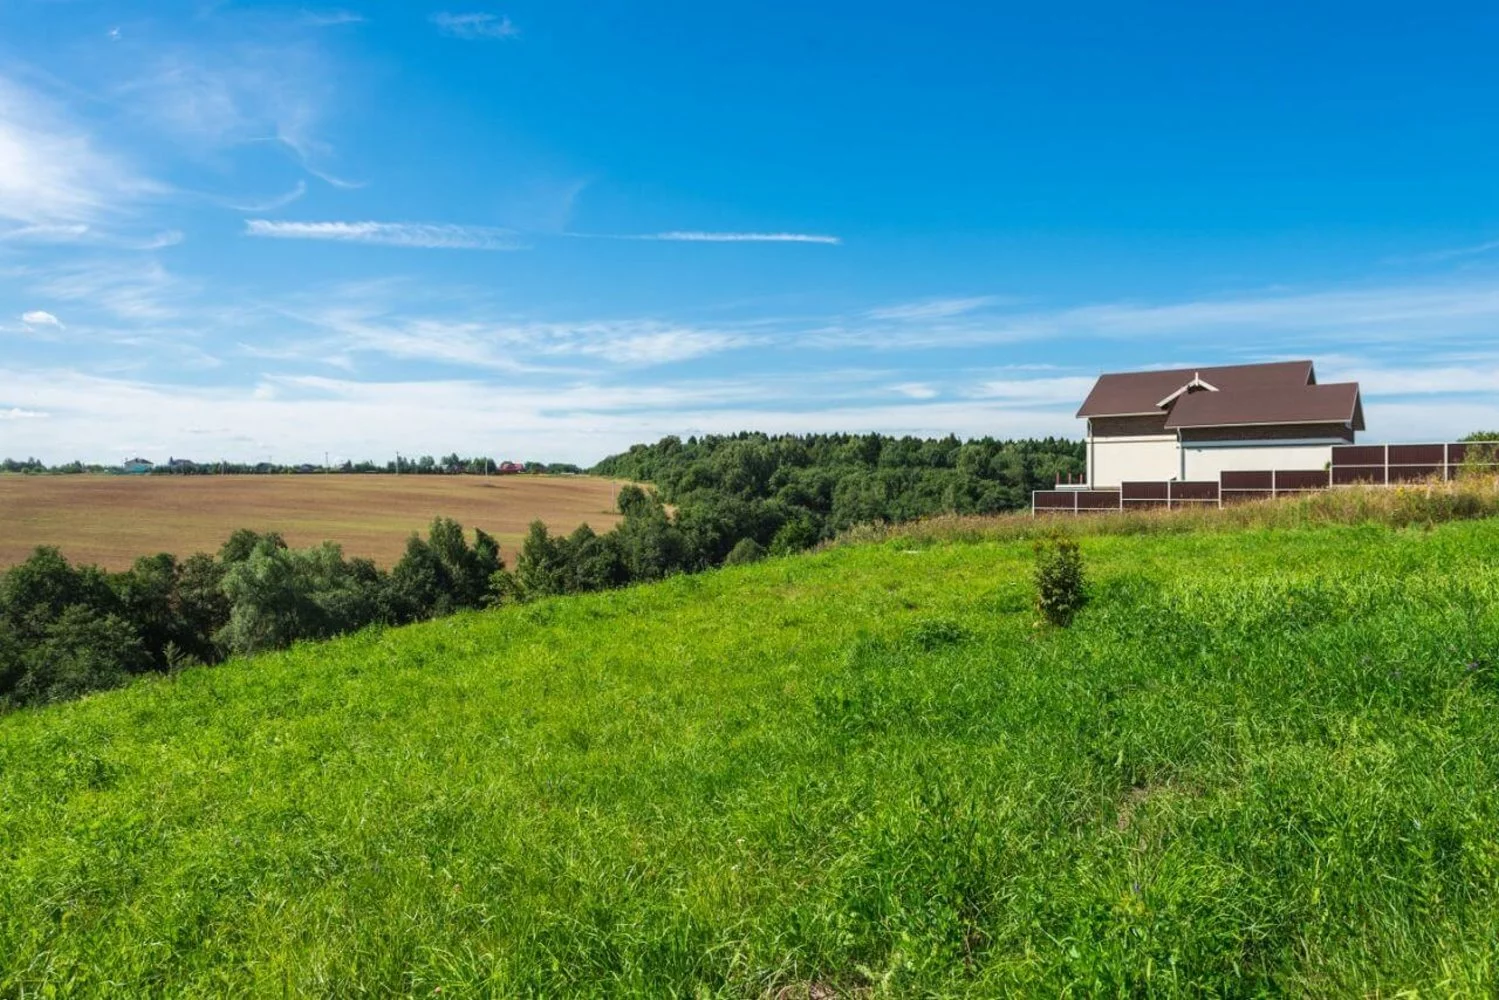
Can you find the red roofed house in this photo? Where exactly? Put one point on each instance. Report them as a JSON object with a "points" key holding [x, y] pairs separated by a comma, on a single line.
{"points": [[1190, 424]]}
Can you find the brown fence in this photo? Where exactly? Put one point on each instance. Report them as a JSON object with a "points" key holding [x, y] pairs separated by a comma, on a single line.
{"points": [[1074, 501], [1352, 464], [1391, 464], [1171, 494]]}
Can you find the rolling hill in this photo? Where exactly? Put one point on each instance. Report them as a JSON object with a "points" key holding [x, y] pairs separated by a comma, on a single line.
{"points": [[1260, 761]]}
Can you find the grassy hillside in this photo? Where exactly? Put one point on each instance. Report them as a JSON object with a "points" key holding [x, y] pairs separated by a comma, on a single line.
{"points": [[1259, 762]]}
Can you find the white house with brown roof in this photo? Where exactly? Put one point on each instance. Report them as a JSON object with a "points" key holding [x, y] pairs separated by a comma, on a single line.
{"points": [[1190, 424]]}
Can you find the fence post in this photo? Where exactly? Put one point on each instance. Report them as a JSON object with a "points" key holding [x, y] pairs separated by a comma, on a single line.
{"points": [[1387, 465]]}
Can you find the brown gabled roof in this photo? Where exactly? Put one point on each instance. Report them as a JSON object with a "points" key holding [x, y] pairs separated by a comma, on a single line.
{"points": [[1336, 403], [1132, 393]]}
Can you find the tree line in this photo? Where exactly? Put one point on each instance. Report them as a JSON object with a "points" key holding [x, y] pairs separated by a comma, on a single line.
{"points": [[66, 630], [423, 465]]}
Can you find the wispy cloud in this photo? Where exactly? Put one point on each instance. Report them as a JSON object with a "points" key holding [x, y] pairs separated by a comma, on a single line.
{"points": [[330, 18], [1274, 321], [158, 241], [271, 204], [507, 345], [930, 309], [79, 233], [916, 390], [475, 25], [53, 179], [139, 290], [394, 234], [40, 317], [1452, 253], [264, 89], [16, 413], [1066, 390], [47, 233], [695, 236]]}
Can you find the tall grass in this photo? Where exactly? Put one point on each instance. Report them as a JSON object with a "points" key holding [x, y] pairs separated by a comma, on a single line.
{"points": [[1259, 763], [1434, 502]]}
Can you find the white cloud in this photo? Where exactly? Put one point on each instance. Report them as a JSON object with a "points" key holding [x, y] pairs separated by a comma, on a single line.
{"points": [[502, 345], [16, 413], [930, 309], [1450, 254], [474, 26], [1064, 390], [79, 233], [298, 418], [160, 241], [693, 236], [330, 18], [567, 418], [53, 179], [1273, 322], [40, 317], [1410, 381], [140, 290], [52, 233], [395, 234], [259, 90], [915, 390], [271, 204]]}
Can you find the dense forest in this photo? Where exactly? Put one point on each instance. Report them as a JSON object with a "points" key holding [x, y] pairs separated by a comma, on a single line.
{"points": [[66, 630], [791, 491]]}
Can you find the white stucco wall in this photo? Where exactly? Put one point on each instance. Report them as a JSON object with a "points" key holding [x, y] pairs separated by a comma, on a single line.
{"points": [[1114, 460], [1206, 462]]}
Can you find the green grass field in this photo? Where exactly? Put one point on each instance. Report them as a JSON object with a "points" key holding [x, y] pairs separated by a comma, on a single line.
{"points": [[1260, 762]]}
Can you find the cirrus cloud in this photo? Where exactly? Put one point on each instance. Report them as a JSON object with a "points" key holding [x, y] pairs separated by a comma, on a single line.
{"points": [[392, 234], [475, 25]]}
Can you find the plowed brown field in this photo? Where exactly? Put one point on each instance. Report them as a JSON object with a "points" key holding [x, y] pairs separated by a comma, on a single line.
{"points": [[111, 520]]}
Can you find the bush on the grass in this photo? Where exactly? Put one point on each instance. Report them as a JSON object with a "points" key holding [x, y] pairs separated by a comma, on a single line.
{"points": [[1060, 593]]}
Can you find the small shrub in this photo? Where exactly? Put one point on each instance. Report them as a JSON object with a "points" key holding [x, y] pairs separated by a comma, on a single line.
{"points": [[1481, 456], [934, 633], [746, 551], [1059, 579]]}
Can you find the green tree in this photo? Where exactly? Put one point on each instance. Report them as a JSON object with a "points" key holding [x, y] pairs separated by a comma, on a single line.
{"points": [[747, 550], [542, 566], [80, 651], [442, 573], [279, 596]]}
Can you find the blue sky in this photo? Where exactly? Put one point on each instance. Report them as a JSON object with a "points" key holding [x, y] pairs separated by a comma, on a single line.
{"points": [[549, 230]]}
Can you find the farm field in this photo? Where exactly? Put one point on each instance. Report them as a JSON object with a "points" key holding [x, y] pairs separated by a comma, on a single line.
{"points": [[112, 520], [1260, 762]]}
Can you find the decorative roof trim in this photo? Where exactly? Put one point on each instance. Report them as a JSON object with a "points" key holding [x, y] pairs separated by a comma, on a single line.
{"points": [[1195, 383]]}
